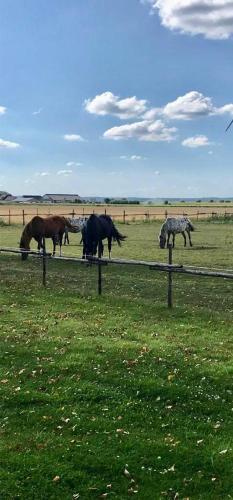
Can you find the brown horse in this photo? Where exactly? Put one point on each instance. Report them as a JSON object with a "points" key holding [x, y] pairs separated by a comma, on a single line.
{"points": [[39, 228]]}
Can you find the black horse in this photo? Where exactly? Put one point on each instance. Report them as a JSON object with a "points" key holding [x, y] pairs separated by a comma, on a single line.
{"points": [[97, 228]]}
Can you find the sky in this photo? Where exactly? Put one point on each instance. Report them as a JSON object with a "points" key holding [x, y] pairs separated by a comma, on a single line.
{"points": [[116, 98]]}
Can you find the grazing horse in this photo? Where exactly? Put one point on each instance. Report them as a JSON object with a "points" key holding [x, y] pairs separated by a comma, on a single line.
{"points": [[39, 228], [174, 226], [97, 228], [78, 223]]}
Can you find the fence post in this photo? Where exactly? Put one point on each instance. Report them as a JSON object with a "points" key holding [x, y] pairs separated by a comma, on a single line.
{"points": [[197, 215], [105, 211], [23, 218], [73, 213], [169, 295], [99, 271], [44, 261], [9, 217], [124, 216], [166, 214]]}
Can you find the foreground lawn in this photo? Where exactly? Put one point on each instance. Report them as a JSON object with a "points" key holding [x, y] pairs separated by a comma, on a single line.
{"points": [[115, 396]]}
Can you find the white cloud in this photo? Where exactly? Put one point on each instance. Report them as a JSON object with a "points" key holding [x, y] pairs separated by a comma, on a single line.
{"points": [[29, 181], [8, 144], [133, 157], [211, 18], [64, 172], [191, 105], [73, 164], [2, 110], [42, 174], [136, 157], [37, 112], [110, 104], [228, 108], [73, 138], [157, 172], [196, 142], [143, 131]]}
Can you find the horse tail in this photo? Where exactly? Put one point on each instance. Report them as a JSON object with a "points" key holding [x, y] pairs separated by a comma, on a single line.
{"points": [[117, 236]]}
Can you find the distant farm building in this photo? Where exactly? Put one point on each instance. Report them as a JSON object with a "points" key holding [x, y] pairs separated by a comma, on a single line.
{"points": [[62, 198], [4, 196], [28, 199]]}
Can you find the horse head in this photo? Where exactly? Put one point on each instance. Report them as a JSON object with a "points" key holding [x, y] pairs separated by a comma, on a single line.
{"points": [[24, 244], [162, 240]]}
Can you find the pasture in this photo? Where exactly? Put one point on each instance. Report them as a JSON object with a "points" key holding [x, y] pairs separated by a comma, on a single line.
{"points": [[116, 396]]}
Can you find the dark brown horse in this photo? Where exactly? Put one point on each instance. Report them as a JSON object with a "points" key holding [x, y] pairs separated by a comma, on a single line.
{"points": [[38, 228], [96, 229]]}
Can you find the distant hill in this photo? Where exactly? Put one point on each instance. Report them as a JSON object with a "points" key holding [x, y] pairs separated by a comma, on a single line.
{"points": [[100, 199]]}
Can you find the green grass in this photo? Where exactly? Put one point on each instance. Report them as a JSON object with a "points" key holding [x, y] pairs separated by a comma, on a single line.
{"points": [[94, 387]]}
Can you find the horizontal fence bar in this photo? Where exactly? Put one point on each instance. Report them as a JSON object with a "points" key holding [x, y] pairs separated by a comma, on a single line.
{"points": [[17, 251], [131, 214], [166, 267], [159, 266]]}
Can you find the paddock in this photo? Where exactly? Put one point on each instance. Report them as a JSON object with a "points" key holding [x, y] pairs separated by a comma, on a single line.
{"points": [[107, 395]]}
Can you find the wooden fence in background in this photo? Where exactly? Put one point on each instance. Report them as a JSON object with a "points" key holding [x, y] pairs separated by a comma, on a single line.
{"points": [[22, 216]]}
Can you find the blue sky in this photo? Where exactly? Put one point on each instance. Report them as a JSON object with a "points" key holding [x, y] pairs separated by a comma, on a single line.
{"points": [[116, 98]]}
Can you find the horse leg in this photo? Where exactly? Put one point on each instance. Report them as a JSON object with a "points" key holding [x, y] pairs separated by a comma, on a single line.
{"points": [[173, 240], [94, 247], [60, 241], [168, 239], [84, 248], [39, 244], [109, 247], [184, 236], [66, 238], [190, 241], [54, 240]]}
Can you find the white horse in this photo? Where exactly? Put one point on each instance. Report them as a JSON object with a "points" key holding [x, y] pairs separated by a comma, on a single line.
{"points": [[77, 223], [174, 226]]}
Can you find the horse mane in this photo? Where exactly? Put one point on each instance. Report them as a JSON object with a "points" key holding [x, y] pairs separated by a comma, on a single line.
{"points": [[25, 236], [72, 228], [163, 229], [190, 225]]}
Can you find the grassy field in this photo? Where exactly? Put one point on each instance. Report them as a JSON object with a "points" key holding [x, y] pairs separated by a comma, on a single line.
{"points": [[137, 212], [117, 396]]}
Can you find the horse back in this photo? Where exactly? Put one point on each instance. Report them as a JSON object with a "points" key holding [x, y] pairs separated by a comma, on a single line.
{"points": [[47, 227]]}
